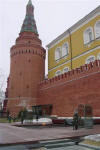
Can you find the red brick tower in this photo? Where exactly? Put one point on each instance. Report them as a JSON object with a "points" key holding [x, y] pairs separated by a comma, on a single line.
{"points": [[27, 66]]}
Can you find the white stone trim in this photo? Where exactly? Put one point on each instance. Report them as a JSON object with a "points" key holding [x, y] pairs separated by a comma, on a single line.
{"points": [[87, 52], [75, 27], [68, 49], [98, 56], [89, 58], [65, 68], [59, 65], [57, 71], [59, 51], [95, 29], [84, 34]]}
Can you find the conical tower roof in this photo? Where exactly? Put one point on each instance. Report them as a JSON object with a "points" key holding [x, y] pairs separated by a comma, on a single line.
{"points": [[29, 24], [29, 2]]}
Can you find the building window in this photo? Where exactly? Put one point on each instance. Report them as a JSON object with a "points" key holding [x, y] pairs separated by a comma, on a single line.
{"points": [[58, 72], [90, 59], [66, 69], [88, 35], [65, 50], [97, 29], [98, 57], [57, 54]]}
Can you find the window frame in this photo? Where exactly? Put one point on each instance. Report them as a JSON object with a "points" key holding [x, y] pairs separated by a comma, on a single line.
{"points": [[89, 58], [84, 35], [58, 74], [67, 50], [96, 37], [98, 56], [59, 55], [65, 68]]}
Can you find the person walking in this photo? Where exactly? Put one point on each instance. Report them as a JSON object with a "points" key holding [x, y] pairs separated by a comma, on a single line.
{"points": [[75, 121], [9, 118], [22, 117]]}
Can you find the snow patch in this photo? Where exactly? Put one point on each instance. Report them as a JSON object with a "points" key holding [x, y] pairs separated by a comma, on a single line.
{"points": [[95, 137]]}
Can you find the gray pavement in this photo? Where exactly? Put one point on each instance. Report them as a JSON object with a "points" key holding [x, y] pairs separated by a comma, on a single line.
{"points": [[18, 147], [75, 147], [58, 137], [22, 147], [27, 147], [12, 134]]}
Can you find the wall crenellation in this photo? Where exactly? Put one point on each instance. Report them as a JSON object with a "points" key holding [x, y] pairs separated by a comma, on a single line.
{"points": [[36, 52], [73, 74]]}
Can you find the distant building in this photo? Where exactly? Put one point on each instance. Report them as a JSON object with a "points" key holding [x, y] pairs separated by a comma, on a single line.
{"points": [[74, 68]]}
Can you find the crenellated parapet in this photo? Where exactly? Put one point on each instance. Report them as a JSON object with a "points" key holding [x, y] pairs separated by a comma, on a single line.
{"points": [[28, 43], [75, 74], [27, 50]]}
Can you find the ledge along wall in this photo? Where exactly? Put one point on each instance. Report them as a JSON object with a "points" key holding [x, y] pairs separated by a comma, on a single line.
{"points": [[67, 91]]}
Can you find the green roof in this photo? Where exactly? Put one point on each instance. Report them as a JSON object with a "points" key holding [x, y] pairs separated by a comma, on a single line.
{"points": [[29, 2], [29, 24]]}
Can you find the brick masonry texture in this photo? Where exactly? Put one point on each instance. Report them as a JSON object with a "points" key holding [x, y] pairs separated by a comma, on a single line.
{"points": [[64, 92], [67, 91]]}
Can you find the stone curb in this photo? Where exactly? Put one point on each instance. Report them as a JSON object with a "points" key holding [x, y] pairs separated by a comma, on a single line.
{"points": [[90, 146], [19, 143]]}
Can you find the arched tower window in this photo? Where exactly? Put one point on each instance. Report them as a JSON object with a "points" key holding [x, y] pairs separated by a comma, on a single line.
{"points": [[90, 59], [65, 50], [97, 29], [57, 53], [88, 35]]}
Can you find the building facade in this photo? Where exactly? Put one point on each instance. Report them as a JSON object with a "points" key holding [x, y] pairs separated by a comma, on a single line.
{"points": [[78, 45], [74, 68]]}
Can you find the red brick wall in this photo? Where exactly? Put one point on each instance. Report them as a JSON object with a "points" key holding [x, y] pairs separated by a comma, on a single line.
{"points": [[66, 92]]}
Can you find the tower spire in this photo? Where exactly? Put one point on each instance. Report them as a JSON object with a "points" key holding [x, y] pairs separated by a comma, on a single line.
{"points": [[29, 24]]}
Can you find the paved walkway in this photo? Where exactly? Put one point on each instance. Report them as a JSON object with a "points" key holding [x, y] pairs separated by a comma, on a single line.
{"points": [[11, 134]]}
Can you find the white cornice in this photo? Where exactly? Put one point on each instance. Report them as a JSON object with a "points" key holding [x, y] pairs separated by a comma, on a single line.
{"points": [[75, 27]]}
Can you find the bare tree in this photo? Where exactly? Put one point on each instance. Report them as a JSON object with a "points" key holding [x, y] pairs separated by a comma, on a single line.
{"points": [[2, 79], [2, 86]]}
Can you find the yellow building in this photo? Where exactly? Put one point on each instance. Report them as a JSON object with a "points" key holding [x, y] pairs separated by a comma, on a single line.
{"points": [[79, 45]]}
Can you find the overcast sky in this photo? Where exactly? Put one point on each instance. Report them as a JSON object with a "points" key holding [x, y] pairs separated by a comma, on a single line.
{"points": [[53, 17]]}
